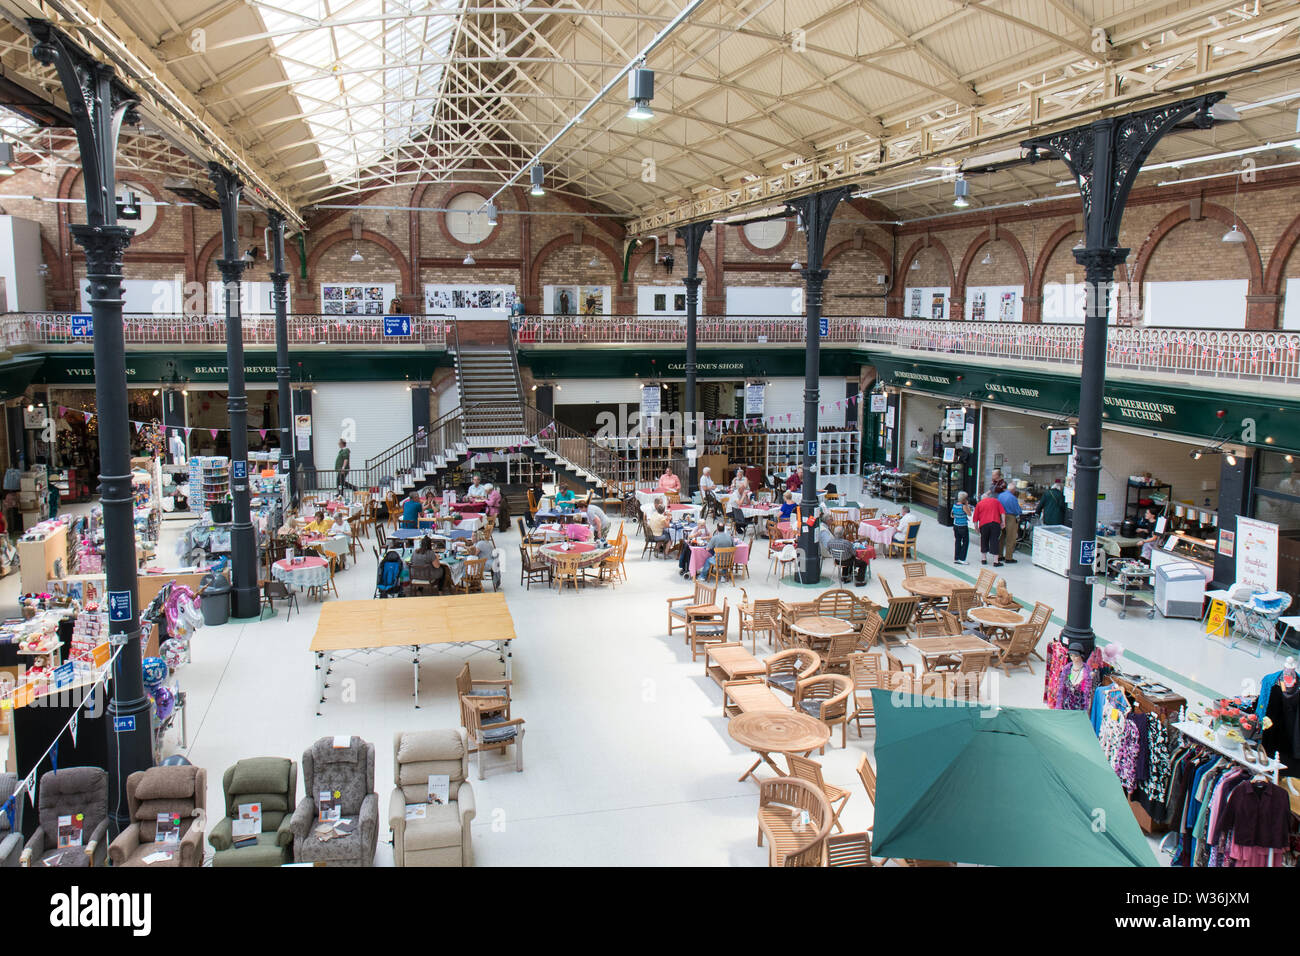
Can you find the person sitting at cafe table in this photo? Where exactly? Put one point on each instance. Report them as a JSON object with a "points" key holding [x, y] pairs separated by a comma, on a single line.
{"points": [[788, 505], [429, 501], [485, 550], [720, 539], [740, 500], [707, 483], [669, 483], [565, 496], [411, 511], [321, 524], [698, 537], [476, 487], [658, 521], [846, 557], [794, 481], [906, 518], [422, 560]]}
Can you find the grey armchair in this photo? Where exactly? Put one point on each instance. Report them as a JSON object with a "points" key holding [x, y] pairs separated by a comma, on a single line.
{"points": [[349, 771], [11, 838], [181, 791], [67, 792], [272, 782], [442, 836]]}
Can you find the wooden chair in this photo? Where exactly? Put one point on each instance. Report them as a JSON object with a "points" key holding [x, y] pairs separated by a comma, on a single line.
{"points": [[678, 607], [532, 503], [1040, 618], [849, 849], [487, 734], [984, 584], [871, 628], [865, 513], [944, 625], [652, 544], [804, 768], [758, 617], [902, 548], [703, 629], [1017, 650], [838, 656], [482, 690], [866, 673], [971, 671], [837, 602], [471, 578], [611, 566], [782, 802], [914, 569], [884, 583], [529, 537], [826, 697], [273, 591], [381, 537], [566, 569], [724, 563], [790, 613], [960, 601], [533, 568], [785, 669], [898, 617]]}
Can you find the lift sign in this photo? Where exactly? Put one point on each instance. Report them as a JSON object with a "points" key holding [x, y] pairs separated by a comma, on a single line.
{"points": [[83, 326]]}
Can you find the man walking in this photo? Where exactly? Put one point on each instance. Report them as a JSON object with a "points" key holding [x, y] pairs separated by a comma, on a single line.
{"points": [[1010, 501], [988, 517], [342, 461]]}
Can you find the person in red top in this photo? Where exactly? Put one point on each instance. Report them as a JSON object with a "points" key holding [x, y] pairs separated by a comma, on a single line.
{"points": [[989, 517], [795, 481]]}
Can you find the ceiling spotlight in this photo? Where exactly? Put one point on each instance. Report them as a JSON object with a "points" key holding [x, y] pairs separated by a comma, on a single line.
{"points": [[915, 266], [155, 391], [1196, 454], [357, 256], [641, 90], [538, 175], [1234, 235], [1232, 459], [1224, 112], [31, 408], [6, 159], [491, 214], [960, 190], [1289, 458], [468, 260]]}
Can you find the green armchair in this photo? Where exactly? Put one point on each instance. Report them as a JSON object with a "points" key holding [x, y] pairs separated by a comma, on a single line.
{"points": [[272, 782]]}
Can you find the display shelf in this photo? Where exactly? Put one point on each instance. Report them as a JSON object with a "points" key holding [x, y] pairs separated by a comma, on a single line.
{"points": [[1157, 493], [209, 482]]}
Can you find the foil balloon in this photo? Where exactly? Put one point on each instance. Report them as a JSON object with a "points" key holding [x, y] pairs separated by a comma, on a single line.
{"points": [[155, 671]]}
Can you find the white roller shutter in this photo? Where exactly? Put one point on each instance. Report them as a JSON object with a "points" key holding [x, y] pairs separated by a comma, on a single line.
{"points": [[376, 414], [598, 391]]}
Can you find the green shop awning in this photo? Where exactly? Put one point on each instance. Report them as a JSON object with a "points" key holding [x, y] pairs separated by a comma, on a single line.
{"points": [[1002, 787]]}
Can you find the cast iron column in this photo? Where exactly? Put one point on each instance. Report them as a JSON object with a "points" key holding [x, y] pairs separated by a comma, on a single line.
{"points": [[816, 211], [243, 542], [1105, 157], [693, 236], [99, 105], [280, 280]]}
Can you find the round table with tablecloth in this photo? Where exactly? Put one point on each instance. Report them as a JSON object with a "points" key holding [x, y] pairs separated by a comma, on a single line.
{"points": [[877, 531], [700, 554], [309, 572], [466, 507]]}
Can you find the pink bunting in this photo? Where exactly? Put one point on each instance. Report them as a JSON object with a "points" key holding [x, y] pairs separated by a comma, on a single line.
{"points": [[262, 432], [137, 426], [88, 415], [213, 431], [187, 432], [62, 409]]}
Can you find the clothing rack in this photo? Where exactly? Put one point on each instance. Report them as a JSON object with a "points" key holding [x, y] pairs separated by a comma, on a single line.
{"points": [[1197, 734]]}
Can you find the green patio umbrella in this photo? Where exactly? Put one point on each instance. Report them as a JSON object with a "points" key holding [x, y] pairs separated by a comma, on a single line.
{"points": [[1003, 787]]}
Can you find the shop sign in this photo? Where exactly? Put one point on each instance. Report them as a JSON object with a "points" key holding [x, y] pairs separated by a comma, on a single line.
{"points": [[119, 605], [1059, 441], [954, 419], [1226, 539], [1256, 552], [754, 398], [650, 400], [879, 402], [83, 326]]}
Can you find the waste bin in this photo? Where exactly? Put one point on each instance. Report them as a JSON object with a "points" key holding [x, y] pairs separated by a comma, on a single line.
{"points": [[222, 512], [214, 598]]}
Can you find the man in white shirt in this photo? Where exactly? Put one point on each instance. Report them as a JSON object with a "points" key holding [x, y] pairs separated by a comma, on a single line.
{"points": [[476, 488], [905, 520], [707, 483], [598, 521]]}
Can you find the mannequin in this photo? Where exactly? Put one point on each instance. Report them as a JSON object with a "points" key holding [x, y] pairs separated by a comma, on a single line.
{"points": [[1283, 708], [1076, 682]]}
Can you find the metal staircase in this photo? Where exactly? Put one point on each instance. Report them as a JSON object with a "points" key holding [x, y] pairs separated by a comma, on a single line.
{"points": [[492, 417]]}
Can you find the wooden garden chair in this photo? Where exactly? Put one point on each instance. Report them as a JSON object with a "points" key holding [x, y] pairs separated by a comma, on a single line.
{"points": [[914, 569], [724, 563], [898, 617], [865, 670], [782, 803], [804, 768], [679, 607], [566, 569], [758, 617], [826, 697], [486, 733], [984, 584], [1017, 650], [471, 578], [706, 628], [785, 669]]}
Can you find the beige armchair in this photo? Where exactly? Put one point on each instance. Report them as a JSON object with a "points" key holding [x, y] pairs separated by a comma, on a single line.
{"points": [[442, 836], [181, 791]]}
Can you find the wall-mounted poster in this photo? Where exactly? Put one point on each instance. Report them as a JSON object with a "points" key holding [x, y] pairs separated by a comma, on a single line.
{"points": [[356, 298], [879, 402], [465, 301], [936, 305], [564, 300], [954, 418], [1256, 552], [754, 397], [593, 299], [977, 307], [679, 302], [661, 302], [1007, 307], [915, 303]]}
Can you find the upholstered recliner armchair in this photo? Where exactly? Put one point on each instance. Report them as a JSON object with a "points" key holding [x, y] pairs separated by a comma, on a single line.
{"points": [[181, 791], [11, 838], [68, 792], [349, 771], [272, 782], [442, 837]]}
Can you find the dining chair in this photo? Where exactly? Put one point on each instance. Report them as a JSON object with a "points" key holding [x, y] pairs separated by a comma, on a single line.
{"points": [[783, 805], [566, 569], [897, 618], [914, 569], [866, 672], [805, 768], [724, 563], [785, 669], [471, 577], [884, 583], [826, 697], [703, 629], [984, 584], [758, 617]]}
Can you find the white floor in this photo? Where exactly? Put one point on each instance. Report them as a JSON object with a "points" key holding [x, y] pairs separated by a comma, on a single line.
{"points": [[627, 755]]}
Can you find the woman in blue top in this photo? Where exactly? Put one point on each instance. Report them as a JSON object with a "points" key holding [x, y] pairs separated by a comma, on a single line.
{"points": [[788, 504], [411, 512], [961, 512]]}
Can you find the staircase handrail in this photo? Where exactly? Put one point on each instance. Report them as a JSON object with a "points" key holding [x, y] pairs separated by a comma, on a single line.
{"points": [[418, 448]]}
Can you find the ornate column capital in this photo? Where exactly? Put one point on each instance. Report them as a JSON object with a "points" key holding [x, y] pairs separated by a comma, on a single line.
{"points": [[104, 246]]}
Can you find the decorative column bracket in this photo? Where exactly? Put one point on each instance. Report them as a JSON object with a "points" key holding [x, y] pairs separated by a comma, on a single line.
{"points": [[692, 235]]}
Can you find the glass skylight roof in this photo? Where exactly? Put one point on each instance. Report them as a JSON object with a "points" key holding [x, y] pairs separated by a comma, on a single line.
{"points": [[365, 72]]}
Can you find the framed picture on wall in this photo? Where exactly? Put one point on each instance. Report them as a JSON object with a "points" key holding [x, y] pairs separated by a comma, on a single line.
{"points": [[661, 302], [1007, 307], [977, 307], [915, 303], [936, 305], [679, 302]]}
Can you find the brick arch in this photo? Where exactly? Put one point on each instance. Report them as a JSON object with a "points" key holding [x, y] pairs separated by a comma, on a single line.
{"points": [[1184, 214], [914, 250], [345, 235], [213, 246], [1058, 236], [880, 252], [978, 243], [712, 280], [559, 242], [1281, 255], [417, 203]]}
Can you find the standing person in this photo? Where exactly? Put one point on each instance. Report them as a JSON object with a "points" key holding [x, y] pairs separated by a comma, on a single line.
{"points": [[598, 521], [707, 483], [988, 517], [1010, 501], [997, 482], [740, 500], [961, 513], [342, 461], [1052, 507]]}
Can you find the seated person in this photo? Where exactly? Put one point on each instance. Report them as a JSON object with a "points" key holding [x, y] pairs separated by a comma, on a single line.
{"points": [[698, 537], [429, 501], [564, 497], [794, 482], [846, 558], [707, 483], [484, 549], [658, 522], [411, 512], [321, 524], [669, 482], [788, 505], [476, 488], [741, 499], [422, 560], [437, 573], [1147, 526], [493, 499], [720, 539], [905, 520]]}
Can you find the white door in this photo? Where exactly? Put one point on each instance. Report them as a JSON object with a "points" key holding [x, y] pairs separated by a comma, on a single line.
{"points": [[372, 416]]}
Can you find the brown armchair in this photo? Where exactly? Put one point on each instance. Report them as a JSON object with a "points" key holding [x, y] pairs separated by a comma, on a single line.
{"points": [[785, 669], [67, 792], [181, 791], [826, 697]]}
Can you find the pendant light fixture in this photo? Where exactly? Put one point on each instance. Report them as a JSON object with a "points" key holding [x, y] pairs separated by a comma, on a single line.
{"points": [[796, 266], [987, 260], [469, 260], [491, 214], [357, 256], [1235, 235], [960, 190], [641, 90], [538, 176]]}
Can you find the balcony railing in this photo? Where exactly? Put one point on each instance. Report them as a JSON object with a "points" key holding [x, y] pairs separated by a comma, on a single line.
{"points": [[1266, 356]]}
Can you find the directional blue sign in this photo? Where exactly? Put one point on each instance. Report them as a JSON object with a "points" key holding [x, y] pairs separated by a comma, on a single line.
{"points": [[823, 326], [239, 469], [397, 325], [119, 605], [64, 674], [83, 326], [812, 450], [1088, 553], [124, 725]]}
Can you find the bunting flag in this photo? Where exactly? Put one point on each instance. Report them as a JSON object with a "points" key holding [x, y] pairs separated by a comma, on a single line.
{"points": [[63, 410], [262, 432], [29, 784], [9, 812], [137, 426], [213, 431], [54, 757], [72, 726], [89, 415]]}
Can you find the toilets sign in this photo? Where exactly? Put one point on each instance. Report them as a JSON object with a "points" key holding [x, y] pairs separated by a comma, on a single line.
{"points": [[397, 325]]}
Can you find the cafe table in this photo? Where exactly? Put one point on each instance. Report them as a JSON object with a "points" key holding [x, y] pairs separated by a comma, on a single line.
{"points": [[816, 632], [996, 621], [932, 590], [700, 553], [783, 732], [878, 531], [933, 650], [309, 572]]}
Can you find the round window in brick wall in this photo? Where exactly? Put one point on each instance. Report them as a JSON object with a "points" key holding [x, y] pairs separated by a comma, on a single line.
{"points": [[465, 221], [765, 235]]}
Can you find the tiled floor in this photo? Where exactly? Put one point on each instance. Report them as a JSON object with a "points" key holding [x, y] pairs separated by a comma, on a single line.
{"points": [[627, 758]]}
